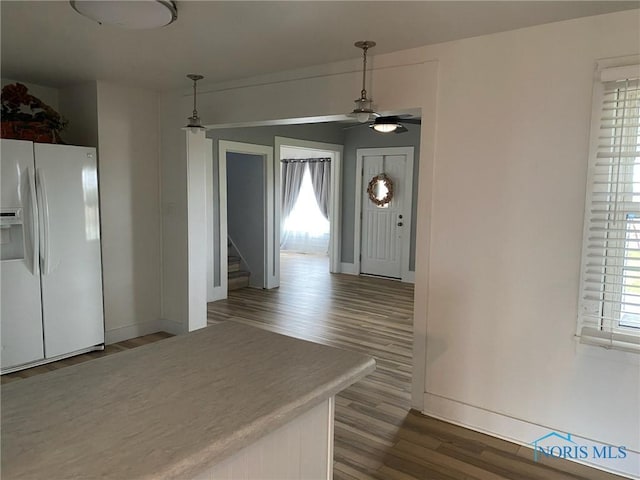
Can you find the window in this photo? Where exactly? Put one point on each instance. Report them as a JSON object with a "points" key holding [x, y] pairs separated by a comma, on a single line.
{"points": [[306, 230], [610, 292]]}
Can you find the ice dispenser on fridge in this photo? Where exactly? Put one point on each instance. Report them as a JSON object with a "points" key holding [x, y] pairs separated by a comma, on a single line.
{"points": [[11, 234]]}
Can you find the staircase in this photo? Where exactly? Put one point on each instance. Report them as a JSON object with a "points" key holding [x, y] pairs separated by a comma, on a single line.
{"points": [[237, 278]]}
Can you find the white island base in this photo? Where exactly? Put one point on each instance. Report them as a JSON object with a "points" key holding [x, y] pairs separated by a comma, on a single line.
{"points": [[302, 449]]}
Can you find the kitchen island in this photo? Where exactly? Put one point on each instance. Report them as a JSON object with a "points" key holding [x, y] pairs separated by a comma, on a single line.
{"points": [[228, 401]]}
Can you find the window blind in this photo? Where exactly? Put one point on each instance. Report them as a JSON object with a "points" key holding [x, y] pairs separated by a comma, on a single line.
{"points": [[610, 291]]}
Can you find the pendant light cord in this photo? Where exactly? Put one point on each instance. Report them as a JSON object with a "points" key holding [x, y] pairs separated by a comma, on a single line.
{"points": [[363, 92], [195, 112]]}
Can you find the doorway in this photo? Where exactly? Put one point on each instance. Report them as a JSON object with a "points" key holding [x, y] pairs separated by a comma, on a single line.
{"points": [[260, 241], [320, 163], [351, 223], [304, 213], [383, 212], [246, 218]]}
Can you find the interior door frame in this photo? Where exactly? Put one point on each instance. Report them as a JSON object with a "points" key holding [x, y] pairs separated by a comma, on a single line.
{"points": [[266, 152], [407, 276], [335, 195]]}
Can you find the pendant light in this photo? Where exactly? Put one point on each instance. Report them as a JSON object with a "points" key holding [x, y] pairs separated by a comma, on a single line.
{"points": [[194, 120], [363, 110]]}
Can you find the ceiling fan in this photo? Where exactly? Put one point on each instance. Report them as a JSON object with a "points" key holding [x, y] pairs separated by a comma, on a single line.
{"points": [[393, 123], [364, 112], [388, 123]]}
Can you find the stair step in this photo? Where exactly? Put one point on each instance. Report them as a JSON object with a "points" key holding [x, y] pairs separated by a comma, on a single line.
{"points": [[238, 280], [233, 264]]}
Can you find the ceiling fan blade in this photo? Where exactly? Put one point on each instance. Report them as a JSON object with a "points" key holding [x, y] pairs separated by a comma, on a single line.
{"points": [[355, 125], [400, 119]]}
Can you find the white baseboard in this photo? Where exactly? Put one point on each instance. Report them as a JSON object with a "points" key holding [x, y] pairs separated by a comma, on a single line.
{"points": [[121, 334], [217, 293], [523, 433], [349, 269], [170, 326], [409, 277]]}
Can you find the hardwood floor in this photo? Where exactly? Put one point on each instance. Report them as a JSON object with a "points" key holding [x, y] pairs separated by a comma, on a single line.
{"points": [[109, 350], [377, 436]]}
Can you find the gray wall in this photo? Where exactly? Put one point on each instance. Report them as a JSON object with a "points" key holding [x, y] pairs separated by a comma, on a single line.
{"points": [[245, 210], [352, 139], [364, 137], [318, 132]]}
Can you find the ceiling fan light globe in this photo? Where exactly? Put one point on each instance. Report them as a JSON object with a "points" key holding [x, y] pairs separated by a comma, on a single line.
{"points": [[385, 127], [362, 117]]}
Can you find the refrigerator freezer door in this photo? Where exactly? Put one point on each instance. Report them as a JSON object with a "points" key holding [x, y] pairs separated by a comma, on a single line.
{"points": [[20, 312], [72, 269]]}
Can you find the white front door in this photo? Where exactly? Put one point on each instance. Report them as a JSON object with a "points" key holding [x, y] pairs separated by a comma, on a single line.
{"points": [[384, 227]]}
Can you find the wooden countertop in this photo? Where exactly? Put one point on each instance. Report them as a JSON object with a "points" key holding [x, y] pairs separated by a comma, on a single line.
{"points": [[168, 409]]}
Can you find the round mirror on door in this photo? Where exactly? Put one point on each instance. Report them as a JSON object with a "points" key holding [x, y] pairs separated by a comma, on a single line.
{"points": [[380, 190]]}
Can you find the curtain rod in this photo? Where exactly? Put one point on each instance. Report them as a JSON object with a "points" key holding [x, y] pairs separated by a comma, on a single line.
{"points": [[305, 160]]}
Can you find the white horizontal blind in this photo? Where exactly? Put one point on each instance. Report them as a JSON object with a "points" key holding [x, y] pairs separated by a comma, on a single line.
{"points": [[610, 293]]}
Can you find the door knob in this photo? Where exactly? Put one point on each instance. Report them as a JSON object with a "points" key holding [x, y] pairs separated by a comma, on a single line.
{"points": [[400, 224]]}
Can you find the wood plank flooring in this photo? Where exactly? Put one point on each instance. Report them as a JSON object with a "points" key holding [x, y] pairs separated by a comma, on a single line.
{"points": [[109, 350], [377, 436]]}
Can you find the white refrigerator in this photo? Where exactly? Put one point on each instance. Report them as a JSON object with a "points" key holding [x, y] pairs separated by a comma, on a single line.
{"points": [[50, 261]]}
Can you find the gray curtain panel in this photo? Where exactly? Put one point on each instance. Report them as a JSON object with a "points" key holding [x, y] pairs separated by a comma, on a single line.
{"points": [[292, 174], [321, 180]]}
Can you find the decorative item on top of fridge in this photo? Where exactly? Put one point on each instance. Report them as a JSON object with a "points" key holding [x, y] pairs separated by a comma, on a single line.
{"points": [[26, 117]]}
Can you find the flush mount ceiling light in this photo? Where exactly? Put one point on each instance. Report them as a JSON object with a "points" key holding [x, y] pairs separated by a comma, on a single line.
{"points": [[134, 15], [194, 120], [363, 111]]}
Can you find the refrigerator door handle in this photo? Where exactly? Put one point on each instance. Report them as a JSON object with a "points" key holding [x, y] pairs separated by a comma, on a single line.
{"points": [[43, 208], [31, 181]]}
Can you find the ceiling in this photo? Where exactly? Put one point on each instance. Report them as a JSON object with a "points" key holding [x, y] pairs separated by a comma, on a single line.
{"points": [[50, 44]]}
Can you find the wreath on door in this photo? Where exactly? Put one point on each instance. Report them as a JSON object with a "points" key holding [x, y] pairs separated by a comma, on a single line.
{"points": [[380, 189]]}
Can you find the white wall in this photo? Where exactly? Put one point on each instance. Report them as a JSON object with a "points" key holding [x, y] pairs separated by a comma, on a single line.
{"points": [[197, 158], [500, 212], [79, 105], [129, 194], [508, 204], [173, 181]]}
